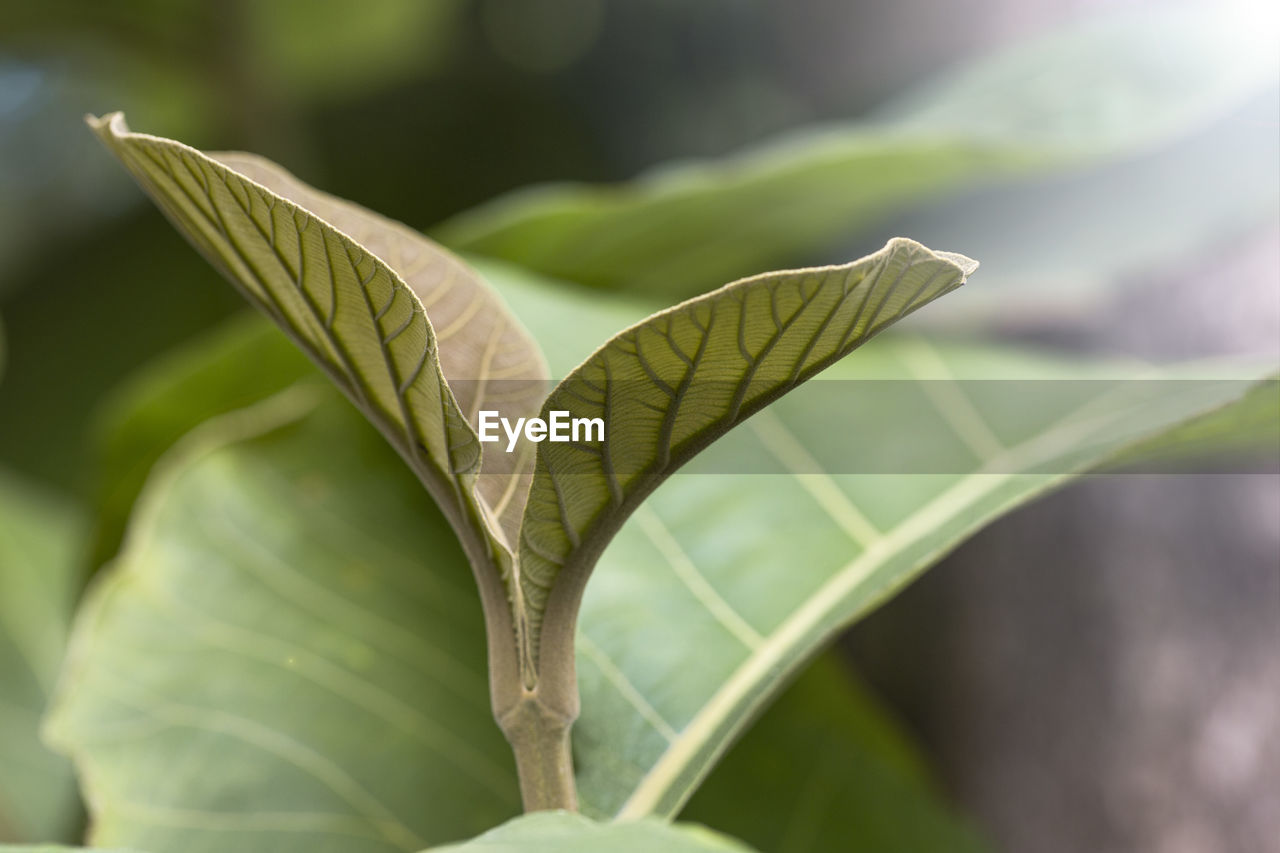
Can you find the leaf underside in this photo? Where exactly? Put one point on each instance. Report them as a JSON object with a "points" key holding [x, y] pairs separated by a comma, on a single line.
{"points": [[672, 384], [40, 540], [420, 343], [305, 263], [487, 357]]}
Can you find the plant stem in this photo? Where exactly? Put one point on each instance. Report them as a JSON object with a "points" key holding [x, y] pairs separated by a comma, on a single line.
{"points": [[539, 737]]}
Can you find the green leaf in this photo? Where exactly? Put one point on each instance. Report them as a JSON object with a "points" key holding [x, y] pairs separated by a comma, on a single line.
{"points": [[52, 848], [565, 832], [287, 655], [1035, 108], [240, 363], [823, 766], [649, 604], [40, 541], [487, 357], [353, 290], [669, 386], [756, 605], [1247, 431]]}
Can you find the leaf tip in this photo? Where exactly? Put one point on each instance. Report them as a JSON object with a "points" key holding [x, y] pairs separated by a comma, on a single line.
{"points": [[965, 264], [968, 266], [108, 125]]}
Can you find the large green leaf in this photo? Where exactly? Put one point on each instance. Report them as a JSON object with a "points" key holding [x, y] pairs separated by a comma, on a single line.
{"points": [[765, 569], [239, 364], [51, 848], [288, 654], [669, 386], [823, 766], [564, 832], [706, 549], [40, 542], [1101, 88], [151, 405]]}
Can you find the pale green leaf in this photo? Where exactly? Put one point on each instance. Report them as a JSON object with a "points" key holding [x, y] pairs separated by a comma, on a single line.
{"points": [[53, 848], [564, 832], [1247, 431], [669, 386], [288, 654], [40, 551], [487, 357], [823, 766], [643, 692], [1094, 90], [242, 362], [354, 290], [935, 459]]}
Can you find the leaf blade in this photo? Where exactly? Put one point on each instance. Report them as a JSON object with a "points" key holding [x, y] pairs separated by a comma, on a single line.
{"points": [[353, 689], [832, 577], [719, 358], [340, 302], [487, 357], [825, 764], [40, 541], [552, 832], [1027, 110]]}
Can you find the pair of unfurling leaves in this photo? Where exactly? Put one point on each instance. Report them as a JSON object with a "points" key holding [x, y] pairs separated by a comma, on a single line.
{"points": [[421, 345]]}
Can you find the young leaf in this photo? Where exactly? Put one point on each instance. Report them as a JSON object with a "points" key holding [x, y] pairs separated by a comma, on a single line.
{"points": [[672, 384], [563, 832], [487, 357], [342, 301], [318, 266]]}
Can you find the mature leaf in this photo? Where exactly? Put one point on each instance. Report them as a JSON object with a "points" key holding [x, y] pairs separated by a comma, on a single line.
{"points": [[287, 654], [1247, 431], [40, 540], [565, 832], [1030, 110], [860, 520], [1133, 223], [241, 363], [155, 405], [666, 588], [825, 765], [672, 384], [53, 848], [346, 306]]}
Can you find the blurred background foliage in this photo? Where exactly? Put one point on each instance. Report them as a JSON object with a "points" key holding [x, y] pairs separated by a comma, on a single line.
{"points": [[1152, 232], [425, 109]]}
